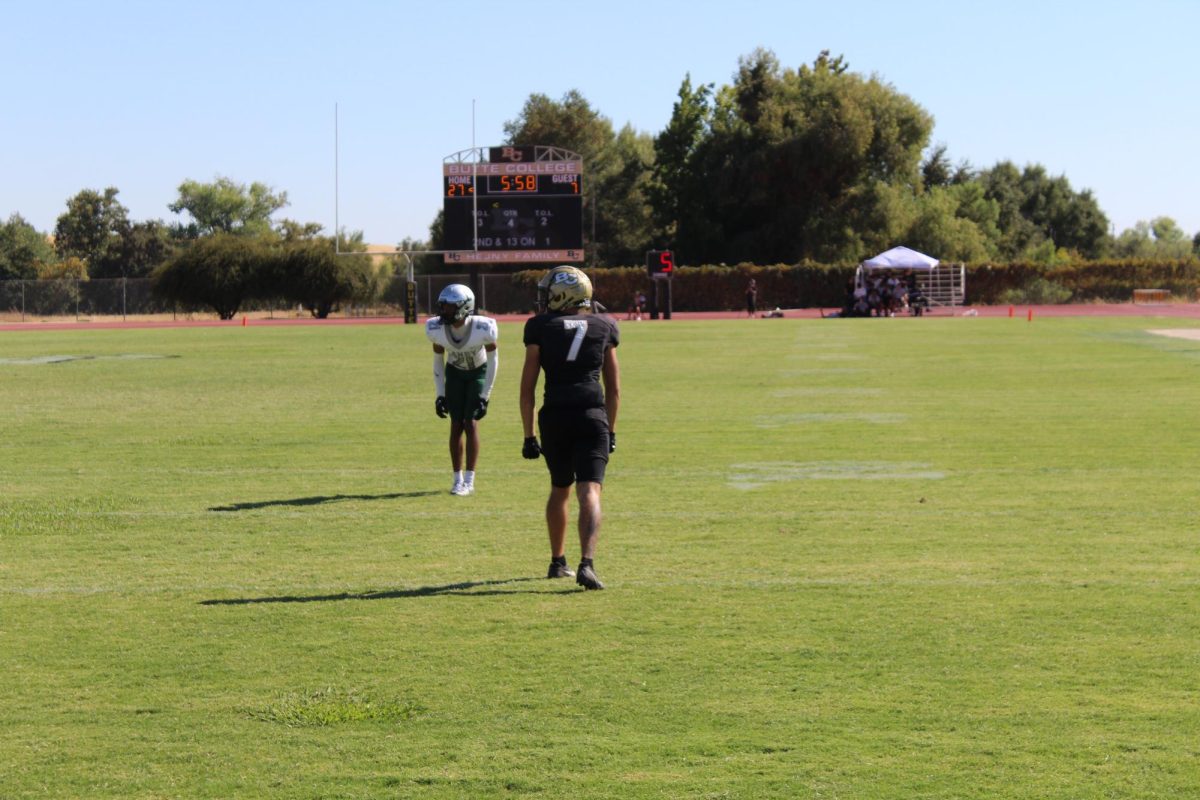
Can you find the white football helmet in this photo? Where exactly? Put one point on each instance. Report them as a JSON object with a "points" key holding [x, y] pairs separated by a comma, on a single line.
{"points": [[455, 303], [564, 289]]}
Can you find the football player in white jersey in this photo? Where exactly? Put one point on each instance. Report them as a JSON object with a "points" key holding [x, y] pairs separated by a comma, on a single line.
{"points": [[465, 360]]}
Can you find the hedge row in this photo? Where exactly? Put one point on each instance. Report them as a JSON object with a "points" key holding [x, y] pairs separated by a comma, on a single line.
{"points": [[1097, 281], [714, 288]]}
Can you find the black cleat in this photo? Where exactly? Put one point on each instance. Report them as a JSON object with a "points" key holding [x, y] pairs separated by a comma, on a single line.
{"points": [[586, 577], [559, 570]]}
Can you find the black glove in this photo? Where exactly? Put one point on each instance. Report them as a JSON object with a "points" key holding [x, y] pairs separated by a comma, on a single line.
{"points": [[439, 406], [481, 409], [612, 441], [531, 449]]}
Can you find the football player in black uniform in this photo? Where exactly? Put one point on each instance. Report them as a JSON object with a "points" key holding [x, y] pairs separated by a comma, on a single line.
{"points": [[577, 349]]}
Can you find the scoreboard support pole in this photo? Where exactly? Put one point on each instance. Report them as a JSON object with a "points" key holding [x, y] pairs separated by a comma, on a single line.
{"points": [[660, 264], [473, 282], [662, 297]]}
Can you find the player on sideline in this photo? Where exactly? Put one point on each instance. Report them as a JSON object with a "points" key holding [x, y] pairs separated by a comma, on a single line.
{"points": [[576, 348], [463, 379]]}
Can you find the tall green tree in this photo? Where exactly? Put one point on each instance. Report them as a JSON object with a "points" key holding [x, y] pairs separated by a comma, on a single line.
{"points": [[23, 250], [789, 167], [625, 229], [292, 231], [570, 123], [1072, 220], [225, 206], [942, 225], [936, 169], [96, 229], [616, 170], [221, 272], [1135, 242], [138, 249], [1160, 238], [1002, 185], [1037, 208], [91, 226], [310, 273], [1168, 233], [674, 191]]}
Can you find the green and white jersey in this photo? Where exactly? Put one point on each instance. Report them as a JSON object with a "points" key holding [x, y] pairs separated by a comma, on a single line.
{"points": [[465, 345]]}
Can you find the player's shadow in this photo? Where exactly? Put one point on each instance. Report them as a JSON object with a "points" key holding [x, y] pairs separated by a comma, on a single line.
{"points": [[318, 500], [464, 589]]}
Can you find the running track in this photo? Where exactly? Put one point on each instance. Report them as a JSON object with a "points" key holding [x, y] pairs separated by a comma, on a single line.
{"points": [[1172, 310]]}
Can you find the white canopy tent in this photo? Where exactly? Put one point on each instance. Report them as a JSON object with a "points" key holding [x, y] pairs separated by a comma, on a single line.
{"points": [[941, 285], [901, 258]]}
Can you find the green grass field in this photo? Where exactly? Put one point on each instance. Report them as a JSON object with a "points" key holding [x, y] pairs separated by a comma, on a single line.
{"points": [[938, 558]]}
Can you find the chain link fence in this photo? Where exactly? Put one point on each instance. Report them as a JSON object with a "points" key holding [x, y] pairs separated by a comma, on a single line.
{"points": [[75, 298], [132, 297]]}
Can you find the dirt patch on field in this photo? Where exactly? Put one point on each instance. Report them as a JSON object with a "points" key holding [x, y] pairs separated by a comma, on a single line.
{"points": [[1178, 333]]}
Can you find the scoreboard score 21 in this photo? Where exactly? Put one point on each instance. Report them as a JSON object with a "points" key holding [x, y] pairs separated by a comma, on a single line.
{"points": [[522, 204]]}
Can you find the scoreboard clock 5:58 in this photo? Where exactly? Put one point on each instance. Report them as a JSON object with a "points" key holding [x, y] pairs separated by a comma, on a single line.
{"points": [[513, 208]]}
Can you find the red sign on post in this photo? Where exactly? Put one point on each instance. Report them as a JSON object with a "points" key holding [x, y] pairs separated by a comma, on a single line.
{"points": [[660, 262]]}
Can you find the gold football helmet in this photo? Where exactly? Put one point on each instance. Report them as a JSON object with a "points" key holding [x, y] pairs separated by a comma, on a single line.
{"points": [[564, 289]]}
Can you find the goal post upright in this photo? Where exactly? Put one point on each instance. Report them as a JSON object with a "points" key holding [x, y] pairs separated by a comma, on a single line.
{"points": [[525, 206]]}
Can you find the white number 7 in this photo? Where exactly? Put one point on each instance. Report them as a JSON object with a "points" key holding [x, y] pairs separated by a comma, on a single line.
{"points": [[580, 328]]}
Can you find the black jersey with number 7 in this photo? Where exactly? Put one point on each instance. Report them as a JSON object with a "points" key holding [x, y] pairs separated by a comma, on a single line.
{"points": [[572, 350]]}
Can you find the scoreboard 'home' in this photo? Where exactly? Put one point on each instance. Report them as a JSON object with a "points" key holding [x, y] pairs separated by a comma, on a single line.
{"points": [[521, 204]]}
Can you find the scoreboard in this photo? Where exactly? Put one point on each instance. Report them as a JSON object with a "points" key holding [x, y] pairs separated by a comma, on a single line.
{"points": [[521, 204]]}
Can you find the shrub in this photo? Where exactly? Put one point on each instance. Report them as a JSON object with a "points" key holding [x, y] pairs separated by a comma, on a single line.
{"points": [[715, 287], [312, 274], [220, 271], [1102, 281], [810, 285], [1038, 291]]}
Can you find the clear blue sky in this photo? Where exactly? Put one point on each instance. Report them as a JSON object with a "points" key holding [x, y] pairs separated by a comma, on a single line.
{"points": [[144, 94]]}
